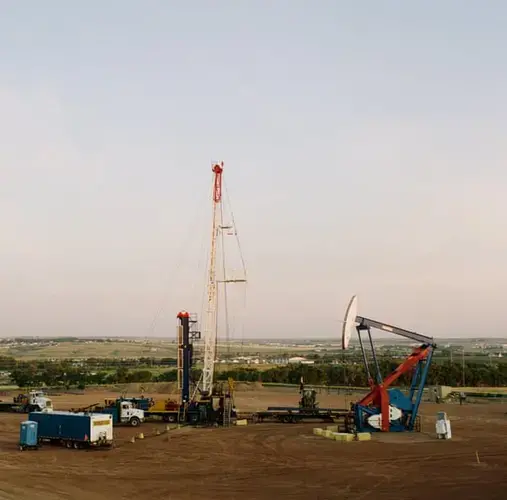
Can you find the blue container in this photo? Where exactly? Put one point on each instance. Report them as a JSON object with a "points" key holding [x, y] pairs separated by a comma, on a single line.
{"points": [[73, 429], [64, 425], [28, 435]]}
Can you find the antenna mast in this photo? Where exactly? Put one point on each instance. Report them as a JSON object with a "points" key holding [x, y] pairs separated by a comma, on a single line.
{"points": [[210, 329]]}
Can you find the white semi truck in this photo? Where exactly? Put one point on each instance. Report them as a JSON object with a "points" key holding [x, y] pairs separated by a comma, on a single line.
{"points": [[26, 403], [122, 412]]}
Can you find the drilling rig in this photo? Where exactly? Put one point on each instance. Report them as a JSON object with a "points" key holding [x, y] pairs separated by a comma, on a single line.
{"points": [[207, 389], [202, 402]]}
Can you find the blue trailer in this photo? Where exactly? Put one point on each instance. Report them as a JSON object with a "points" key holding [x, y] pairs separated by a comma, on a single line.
{"points": [[74, 430]]}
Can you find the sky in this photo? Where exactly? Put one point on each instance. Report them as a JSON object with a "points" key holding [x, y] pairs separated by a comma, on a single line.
{"points": [[363, 147]]}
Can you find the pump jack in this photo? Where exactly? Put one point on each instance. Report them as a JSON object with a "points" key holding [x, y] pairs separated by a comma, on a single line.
{"points": [[388, 409]]}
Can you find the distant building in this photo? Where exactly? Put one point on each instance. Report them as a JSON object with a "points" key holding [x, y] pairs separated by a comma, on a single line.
{"points": [[299, 359], [278, 361], [296, 359]]}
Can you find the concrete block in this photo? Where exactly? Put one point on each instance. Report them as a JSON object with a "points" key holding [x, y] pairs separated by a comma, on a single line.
{"points": [[328, 434], [318, 431], [140, 436], [242, 422], [363, 436], [333, 428], [343, 437]]}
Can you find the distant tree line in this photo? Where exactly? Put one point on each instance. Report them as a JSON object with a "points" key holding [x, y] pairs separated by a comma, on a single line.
{"points": [[91, 371], [354, 375], [67, 374]]}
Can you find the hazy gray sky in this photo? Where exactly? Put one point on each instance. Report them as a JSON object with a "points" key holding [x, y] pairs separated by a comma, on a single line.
{"points": [[364, 150]]}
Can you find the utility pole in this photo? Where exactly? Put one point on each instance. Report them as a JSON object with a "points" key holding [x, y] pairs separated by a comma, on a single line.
{"points": [[463, 367]]}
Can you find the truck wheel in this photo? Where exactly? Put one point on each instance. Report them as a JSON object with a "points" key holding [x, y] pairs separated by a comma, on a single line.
{"points": [[77, 445], [21, 448], [171, 418], [135, 422], [68, 444]]}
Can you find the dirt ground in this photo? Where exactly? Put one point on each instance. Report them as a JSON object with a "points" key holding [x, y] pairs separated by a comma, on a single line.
{"points": [[266, 461]]}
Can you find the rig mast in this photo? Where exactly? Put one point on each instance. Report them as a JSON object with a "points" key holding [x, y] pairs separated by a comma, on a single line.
{"points": [[211, 320], [211, 314], [210, 328]]}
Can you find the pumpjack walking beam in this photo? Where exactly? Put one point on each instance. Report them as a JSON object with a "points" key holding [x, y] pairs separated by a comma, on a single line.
{"points": [[366, 324]]}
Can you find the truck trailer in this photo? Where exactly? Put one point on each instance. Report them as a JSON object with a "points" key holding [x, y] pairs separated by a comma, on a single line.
{"points": [[74, 430], [168, 410], [307, 409], [201, 412]]}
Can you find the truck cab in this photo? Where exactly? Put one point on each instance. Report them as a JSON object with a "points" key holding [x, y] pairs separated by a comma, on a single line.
{"points": [[131, 415], [34, 401], [124, 412], [38, 400]]}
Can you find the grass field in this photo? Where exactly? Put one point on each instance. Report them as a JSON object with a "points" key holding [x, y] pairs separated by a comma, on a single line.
{"points": [[92, 350], [148, 348]]}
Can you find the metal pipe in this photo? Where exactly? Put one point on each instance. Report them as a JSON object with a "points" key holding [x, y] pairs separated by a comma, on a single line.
{"points": [[365, 359], [374, 355]]}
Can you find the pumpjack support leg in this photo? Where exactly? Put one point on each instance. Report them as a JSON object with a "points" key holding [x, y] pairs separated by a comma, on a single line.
{"points": [[384, 408]]}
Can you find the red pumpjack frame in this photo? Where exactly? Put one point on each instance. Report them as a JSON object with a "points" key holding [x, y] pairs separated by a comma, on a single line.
{"points": [[379, 397]]}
